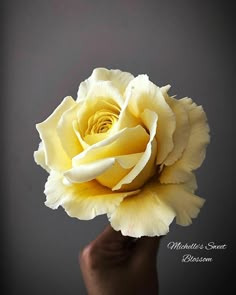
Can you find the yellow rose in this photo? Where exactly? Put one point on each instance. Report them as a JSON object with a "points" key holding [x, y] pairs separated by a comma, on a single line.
{"points": [[127, 149]]}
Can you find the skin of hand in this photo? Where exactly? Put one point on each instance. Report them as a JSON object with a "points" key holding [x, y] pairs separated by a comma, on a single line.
{"points": [[114, 264]]}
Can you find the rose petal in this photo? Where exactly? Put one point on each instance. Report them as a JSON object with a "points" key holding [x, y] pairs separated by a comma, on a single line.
{"points": [[119, 170], [39, 157], [118, 78], [151, 211], [179, 197], [56, 157], [195, 150], [142, 215], [149, 119], [87, 172], [102, 97], [146, 95], [85, 200], [126, 118], [66, 132], [181, 134], [126, 141]]}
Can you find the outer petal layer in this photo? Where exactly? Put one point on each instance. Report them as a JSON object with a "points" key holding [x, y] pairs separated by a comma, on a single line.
{"points": [[55, 156], [39, 157], [195, 150], [142, 215], [151, 211], [85, 200], [181, 134], [179, 197]]}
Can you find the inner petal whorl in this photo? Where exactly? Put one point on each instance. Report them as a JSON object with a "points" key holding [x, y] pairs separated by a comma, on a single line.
{"points": [[101, 122]]}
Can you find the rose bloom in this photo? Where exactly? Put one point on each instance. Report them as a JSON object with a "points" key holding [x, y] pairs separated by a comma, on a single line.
{"points": [[127, 149]]}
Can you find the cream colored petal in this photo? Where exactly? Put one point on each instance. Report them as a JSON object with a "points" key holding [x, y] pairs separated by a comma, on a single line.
{"points": [[126, 141], [90, 171], [146, 173], [83, 201], [104, 90], [102, 97], [151, 211], [119, 79], [181, 134], [146, 95], [55, 156], [126, 118], [179, 197], [195, 150], [142, 215], [149, 119], [39, 157], [66, 132], [121, 167], [84, 144]]}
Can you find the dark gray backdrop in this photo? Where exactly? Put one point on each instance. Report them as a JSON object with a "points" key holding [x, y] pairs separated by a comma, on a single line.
{"points": [[49, 48]]}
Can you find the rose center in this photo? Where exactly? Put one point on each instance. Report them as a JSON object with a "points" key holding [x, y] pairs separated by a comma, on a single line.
{"points": [[101, 122]]}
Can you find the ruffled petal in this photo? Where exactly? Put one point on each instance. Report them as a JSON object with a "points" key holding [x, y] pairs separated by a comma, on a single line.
{"points": [[151, 211], [118, 78], [182, 130], [84, 201], [195, 150], [39, 157], [55, 156], [142, 215], [146, 95], [180, 198]]}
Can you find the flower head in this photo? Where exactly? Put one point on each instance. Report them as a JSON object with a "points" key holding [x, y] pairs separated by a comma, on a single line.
{"points": [[127, 149]]}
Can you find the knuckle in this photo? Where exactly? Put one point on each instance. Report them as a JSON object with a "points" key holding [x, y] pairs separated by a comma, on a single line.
{"points": [[88, 257]]}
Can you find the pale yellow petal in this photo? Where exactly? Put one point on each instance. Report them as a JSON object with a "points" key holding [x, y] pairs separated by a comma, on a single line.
{"points": [[181, 134], [151, 211], [126, 118], [75, 125], [195, 150], [83, 201], [179, 197], [119, 79], [104, 90], [39, 157], [121, 167], [146, 173], [55, 156], [89, 171], [103, 98], [142, 215], [146, 95], [66, 132], [148, 158], [126, 141]]}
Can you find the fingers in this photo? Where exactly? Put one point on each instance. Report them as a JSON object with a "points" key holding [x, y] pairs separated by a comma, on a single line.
{"points": [[146, 248], [110, 237]]}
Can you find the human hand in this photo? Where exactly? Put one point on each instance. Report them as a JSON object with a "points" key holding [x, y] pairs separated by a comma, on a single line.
{"points": [[114, 264]]}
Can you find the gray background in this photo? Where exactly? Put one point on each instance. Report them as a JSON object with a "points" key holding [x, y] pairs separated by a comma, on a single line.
{"points": [[49, 48]]}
